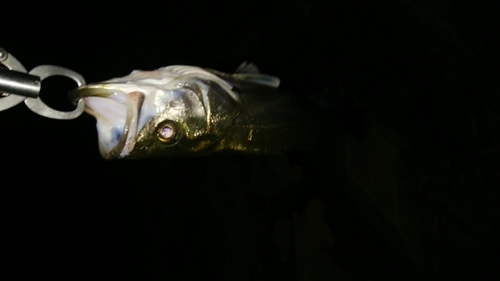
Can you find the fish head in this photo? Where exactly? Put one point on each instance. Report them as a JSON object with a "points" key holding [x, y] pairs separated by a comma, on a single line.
{"points": [[176, 110]]}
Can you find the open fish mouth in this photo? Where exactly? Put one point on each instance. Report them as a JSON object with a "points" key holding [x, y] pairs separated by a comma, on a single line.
{"points": [[117, 113]]}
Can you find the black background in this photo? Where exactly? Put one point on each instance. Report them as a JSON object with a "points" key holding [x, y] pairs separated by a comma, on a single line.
{"points": [[428, 70]]}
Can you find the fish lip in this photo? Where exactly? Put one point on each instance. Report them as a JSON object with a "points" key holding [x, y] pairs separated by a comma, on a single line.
{"points": [[115, 152], [134, 99]]}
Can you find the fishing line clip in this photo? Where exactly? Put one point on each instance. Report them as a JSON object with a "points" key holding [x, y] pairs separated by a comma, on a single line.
{"points": [[18, 85]]}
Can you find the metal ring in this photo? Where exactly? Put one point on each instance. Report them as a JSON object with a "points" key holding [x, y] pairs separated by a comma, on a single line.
{"points": [[39, 107], [9, 61]]}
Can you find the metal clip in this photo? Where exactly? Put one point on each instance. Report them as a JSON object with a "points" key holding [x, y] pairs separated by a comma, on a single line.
{"points": [[35, 104], [11, 63]]}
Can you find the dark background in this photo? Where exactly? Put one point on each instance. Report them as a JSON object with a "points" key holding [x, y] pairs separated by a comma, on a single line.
{"points": [[407, 191]]}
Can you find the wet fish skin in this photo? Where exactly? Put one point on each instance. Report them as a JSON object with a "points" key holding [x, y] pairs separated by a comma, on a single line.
{"points": [[208, 111]]}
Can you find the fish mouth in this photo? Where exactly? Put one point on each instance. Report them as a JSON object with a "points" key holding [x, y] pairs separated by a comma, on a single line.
{"points": [[117, 114]]}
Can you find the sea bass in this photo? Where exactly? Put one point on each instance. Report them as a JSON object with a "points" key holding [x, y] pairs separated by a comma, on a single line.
{"points": [[184, 110]]}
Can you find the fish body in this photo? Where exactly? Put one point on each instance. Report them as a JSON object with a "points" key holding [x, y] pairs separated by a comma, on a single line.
{"points": [[189, 111]]}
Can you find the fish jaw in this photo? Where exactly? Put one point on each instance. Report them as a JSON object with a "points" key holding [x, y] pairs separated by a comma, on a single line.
{"points": [[120, 112]]}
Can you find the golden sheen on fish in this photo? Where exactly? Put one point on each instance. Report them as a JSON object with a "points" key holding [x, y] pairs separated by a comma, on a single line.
{"points": [[186, 110]]}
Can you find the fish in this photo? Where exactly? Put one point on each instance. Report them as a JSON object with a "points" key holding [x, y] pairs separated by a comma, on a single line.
{"points": [[183, 110]]}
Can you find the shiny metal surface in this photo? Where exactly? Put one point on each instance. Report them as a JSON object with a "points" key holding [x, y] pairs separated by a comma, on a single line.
{"points": [[39, 107], [9, 61], [18, 83], [15, 87]]}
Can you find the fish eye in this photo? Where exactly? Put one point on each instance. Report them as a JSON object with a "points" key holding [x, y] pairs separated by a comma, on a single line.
{"points": [[168, 132]]}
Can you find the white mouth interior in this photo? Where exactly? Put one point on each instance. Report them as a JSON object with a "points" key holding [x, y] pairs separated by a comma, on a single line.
{"points": [[111, 116], [117, 115]]}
